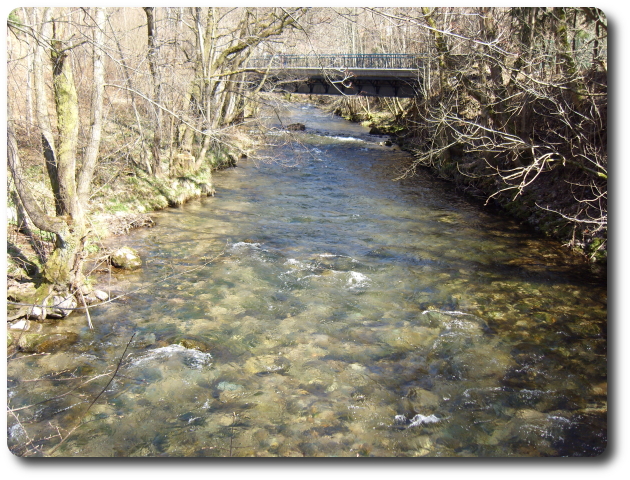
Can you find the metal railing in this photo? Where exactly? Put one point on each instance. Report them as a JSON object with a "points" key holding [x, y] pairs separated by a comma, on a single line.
{"points": [[383, 61]]}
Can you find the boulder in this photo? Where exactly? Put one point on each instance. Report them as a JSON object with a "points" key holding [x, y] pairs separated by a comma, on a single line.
{"points": [[126, 258], [296, 127]]}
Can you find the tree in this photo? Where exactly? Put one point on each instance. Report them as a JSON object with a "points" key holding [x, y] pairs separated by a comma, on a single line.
{"points": [[518, 111], [224, 40], [70, 171]]}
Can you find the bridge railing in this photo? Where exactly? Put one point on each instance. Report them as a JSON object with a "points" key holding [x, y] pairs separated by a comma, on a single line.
{"points": [[339, 61]]}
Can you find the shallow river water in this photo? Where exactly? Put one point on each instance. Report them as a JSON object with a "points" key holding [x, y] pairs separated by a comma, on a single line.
{"points": [[346, 314]]}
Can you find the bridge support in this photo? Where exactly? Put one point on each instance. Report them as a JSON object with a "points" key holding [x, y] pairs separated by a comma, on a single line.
{"points": [[369, 87]]}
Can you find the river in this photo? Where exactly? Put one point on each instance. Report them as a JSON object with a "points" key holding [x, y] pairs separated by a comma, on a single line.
{"points": [[317, 307]]}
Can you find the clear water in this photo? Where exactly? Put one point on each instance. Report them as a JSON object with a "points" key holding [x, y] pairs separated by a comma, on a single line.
{"points": [[346, 315]]}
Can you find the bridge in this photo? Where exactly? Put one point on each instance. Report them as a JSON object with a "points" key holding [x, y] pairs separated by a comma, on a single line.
{"points": [[380, 75]]}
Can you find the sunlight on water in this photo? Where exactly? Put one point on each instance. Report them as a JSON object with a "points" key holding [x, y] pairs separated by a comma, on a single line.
{"points": [[345, 315]]}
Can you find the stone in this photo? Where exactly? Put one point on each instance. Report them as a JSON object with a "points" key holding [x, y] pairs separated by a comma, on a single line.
{"points": [[56, 341], [296, 127], [229, 387], [58, 305], [267, 364], [37, 313], [530, 415], [421, 399], [101, 295], [126, 258], [29, 342], [21, 292], [25, 326], [192, 343]]}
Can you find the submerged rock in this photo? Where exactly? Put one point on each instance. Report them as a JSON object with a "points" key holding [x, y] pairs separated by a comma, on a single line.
{"points": [[192, 343], [229, 387], [296, 127], [126, 258], [42, 343], [267, 364]]}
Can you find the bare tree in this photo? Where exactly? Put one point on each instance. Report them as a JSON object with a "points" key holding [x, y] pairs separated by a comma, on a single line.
{"points": [[518, 109], [224, 40], [70, 171]]}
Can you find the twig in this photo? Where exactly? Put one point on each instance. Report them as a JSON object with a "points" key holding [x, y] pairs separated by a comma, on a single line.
{"points": [[95, 398], [58, 396], [87, 311]]}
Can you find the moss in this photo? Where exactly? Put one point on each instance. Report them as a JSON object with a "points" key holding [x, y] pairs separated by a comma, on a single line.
{"points": [[38, 297], [192, 343]]}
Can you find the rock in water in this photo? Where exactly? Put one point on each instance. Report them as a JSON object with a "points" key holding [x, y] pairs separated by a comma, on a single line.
{"points": [[101, 295], [126, 258], [376, 131], [57, 307], [296, 127]]}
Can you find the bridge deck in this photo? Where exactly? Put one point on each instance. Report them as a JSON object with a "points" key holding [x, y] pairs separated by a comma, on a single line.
{"points": [[372, 61], [385, 75]]}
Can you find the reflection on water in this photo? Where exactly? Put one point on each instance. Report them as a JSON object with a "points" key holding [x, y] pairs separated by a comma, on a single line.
{"points": [[347, 315]]}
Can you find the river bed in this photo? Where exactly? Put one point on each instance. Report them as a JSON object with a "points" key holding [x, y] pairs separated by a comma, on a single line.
{"points": [[317, 307]]}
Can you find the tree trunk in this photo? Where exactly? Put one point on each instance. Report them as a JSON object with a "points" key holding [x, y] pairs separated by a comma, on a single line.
{"points": [[96, 113], [41, 104], [151, 57]]}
